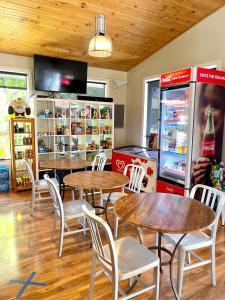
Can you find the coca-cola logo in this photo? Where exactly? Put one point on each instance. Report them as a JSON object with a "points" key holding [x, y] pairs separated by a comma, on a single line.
{"points": [[120, 164], [208, 148], [167, 78]]}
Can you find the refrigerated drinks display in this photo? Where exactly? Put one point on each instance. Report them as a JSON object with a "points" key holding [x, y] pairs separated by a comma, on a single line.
{"points": [[191, 129], [174, 133]]}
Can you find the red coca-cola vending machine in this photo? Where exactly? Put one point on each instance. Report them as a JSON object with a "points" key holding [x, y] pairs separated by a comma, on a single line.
{"points": [[191, 128]]}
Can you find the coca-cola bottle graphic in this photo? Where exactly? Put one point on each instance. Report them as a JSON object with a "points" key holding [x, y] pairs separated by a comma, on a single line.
{"points": [[208, 142]]}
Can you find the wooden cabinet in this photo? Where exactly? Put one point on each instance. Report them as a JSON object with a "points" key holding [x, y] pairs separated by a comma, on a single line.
{"points": [[22, 146]]}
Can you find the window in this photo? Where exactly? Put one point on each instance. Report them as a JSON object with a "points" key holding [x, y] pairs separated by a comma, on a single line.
{"points": [[151, 110], [96, 89], [12, 86]]}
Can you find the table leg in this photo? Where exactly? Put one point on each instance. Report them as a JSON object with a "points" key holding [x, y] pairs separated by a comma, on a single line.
{"points": [[96, 206], [86, 194], [172, 254], [63, 186], [81, 194], [93, 197], [159, 250], [171, 266], [72, 191], [106, 206]]}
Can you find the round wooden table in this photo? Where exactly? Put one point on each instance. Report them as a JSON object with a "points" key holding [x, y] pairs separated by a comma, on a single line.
{"points": [[96, 180], [64, 164], [164, 213], [91, 180]]}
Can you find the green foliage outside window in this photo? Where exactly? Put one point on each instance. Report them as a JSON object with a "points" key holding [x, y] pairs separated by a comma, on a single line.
{"points": [[13, 81], [12, 86]]}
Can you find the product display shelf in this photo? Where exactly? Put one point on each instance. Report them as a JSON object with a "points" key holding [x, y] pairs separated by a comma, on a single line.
{"points": [[73, 128], [22, 146]]}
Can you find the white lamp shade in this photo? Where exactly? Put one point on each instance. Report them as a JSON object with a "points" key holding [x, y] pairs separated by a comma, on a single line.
{"points": [[100, 46]]}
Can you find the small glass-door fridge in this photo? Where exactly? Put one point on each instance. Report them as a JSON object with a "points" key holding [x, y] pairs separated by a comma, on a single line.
{"points": [[175, 105]]}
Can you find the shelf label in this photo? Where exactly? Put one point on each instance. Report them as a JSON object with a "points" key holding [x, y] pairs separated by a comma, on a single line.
{"points": [[176, 77]]}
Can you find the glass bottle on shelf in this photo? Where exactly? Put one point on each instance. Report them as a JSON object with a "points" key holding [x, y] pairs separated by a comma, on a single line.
{"points": [[16, 128], [24, 140]]}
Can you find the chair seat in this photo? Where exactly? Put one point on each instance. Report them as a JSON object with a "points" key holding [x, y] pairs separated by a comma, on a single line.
{"points": [[133, 258], [74, 208], [42, 185], [114, 196], [190, 241]]}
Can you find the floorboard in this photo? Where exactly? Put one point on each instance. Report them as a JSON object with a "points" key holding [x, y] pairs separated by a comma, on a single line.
{"points": [[26, 246]]}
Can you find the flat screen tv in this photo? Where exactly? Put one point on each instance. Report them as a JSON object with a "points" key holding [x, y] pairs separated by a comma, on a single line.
{"points": [[59, 75]]}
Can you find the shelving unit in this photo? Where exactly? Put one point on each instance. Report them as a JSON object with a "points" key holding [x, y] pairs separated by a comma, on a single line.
{"points": [[22, 146], [73, 128]]}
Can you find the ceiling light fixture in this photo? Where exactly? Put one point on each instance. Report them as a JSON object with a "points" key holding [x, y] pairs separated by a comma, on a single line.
{"points": [[100, 45]]}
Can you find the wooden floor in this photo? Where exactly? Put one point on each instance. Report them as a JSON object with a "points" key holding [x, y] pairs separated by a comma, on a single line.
{"points": [[26, 246]]}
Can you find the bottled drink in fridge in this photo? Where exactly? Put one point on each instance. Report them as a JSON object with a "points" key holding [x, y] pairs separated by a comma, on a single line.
{"points": [[208, 142]]}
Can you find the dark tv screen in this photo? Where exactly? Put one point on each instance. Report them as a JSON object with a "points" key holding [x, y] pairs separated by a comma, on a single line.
{"points": [[59, 75]]}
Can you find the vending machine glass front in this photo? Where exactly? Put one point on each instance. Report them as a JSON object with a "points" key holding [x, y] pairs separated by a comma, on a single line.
{"points": [[173, 133]]}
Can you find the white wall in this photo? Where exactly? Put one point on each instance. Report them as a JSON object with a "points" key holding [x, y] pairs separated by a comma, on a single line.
{"points": [[205, 42], [119, 95], [9, 62]]}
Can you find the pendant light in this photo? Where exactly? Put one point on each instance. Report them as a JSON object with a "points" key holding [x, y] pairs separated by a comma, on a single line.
{"points": [[100, 45]]}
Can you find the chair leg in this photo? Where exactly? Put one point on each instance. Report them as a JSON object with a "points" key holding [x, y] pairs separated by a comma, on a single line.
{"points": [[213, 265], [85, 224], [101, 200], [130, 282], [189, 257], [32, 201], [92, 280], [157, 282], [54, 227], [156, 242], [115, 288], [81, 194], [139, 234], [61, 238], [223, 216], [116, 224], [180, 270]]}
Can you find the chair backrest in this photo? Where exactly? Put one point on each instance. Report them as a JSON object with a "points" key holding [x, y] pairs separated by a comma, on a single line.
{"points": [[99, 162], [55, 194], [136, 174], [97, 225], [29, 170], [213, 198]]}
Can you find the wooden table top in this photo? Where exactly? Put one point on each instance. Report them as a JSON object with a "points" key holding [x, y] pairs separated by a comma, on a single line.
{"points": [[64, 164], [164, 213], [96, 180]]}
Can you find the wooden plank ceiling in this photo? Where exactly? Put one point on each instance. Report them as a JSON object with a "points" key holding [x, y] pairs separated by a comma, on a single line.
{"points": [[63, 28]]}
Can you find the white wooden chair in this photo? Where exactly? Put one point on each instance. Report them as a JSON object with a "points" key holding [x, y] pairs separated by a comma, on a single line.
{"points": [[99, 162], [65, 212], [97, 165], [213, 198], [39, 187], [137, 174], [124, 259]]}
